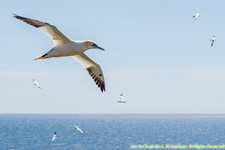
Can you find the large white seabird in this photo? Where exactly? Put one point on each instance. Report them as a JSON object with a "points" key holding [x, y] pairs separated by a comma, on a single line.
{"points": [[54, 137], [78, 129], [196, 16], [121, 99], [63, 46], [213, 40], [35, 83]]}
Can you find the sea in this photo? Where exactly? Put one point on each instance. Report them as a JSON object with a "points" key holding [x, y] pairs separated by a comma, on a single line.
{"points": [[112, 131]]}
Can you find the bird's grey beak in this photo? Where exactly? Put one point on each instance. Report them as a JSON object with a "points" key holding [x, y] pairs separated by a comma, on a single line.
{"points": [[98, 47]]}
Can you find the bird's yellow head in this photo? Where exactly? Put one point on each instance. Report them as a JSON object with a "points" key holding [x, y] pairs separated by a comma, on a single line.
{"points": [[91, 45]]}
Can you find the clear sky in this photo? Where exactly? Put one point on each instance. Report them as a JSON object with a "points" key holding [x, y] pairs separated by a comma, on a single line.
{"points": [[155, 53]]}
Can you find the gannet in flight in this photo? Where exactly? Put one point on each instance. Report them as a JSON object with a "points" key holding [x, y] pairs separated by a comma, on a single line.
{"points": [[63, 46], [35, 83], [78, 129], [121, 99], [196, 16], [213, 39], [54, 137]]}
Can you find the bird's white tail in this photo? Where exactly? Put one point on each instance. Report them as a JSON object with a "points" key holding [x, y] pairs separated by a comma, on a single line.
{"points": [[40, 57]]}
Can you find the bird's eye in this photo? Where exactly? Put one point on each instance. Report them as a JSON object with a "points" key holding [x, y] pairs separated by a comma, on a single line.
{"points": [[93, 44]]}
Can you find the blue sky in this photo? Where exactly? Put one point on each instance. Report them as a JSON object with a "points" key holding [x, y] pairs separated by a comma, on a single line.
{"points": [[155, 53]]}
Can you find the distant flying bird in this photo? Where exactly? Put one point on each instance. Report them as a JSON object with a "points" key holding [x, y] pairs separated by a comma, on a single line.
{"points": [[196, 16], [78, 129], [63, 46], [35, 83], [54, 137], [121, 99], [213, 39]]}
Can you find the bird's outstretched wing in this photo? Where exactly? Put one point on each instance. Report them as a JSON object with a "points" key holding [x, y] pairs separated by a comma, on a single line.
{"points": [[49, 29], [75, 126], [80, 130], [212, 43], [93, 69]]}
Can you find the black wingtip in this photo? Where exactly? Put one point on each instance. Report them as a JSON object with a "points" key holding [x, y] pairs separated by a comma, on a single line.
{"points": [[103, 88], [29, 21], [101, 85], [15, 16]]}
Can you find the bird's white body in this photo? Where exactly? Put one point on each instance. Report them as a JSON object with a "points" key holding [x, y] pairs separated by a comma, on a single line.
{"points": [[35, 83], [54, 137], [78, 129], [121, 99], [213, 38], [63, 46], [196, 16], [68, 49]]}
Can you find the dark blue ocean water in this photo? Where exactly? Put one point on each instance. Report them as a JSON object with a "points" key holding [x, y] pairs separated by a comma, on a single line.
{"points": [[108, 132]]}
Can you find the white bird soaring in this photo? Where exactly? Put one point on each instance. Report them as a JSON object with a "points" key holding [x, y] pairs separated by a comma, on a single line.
{"points": [[35, 83], [196, 16], [54, 137], [63, 46], [213, 40], [121, 99], [78, 129]]}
